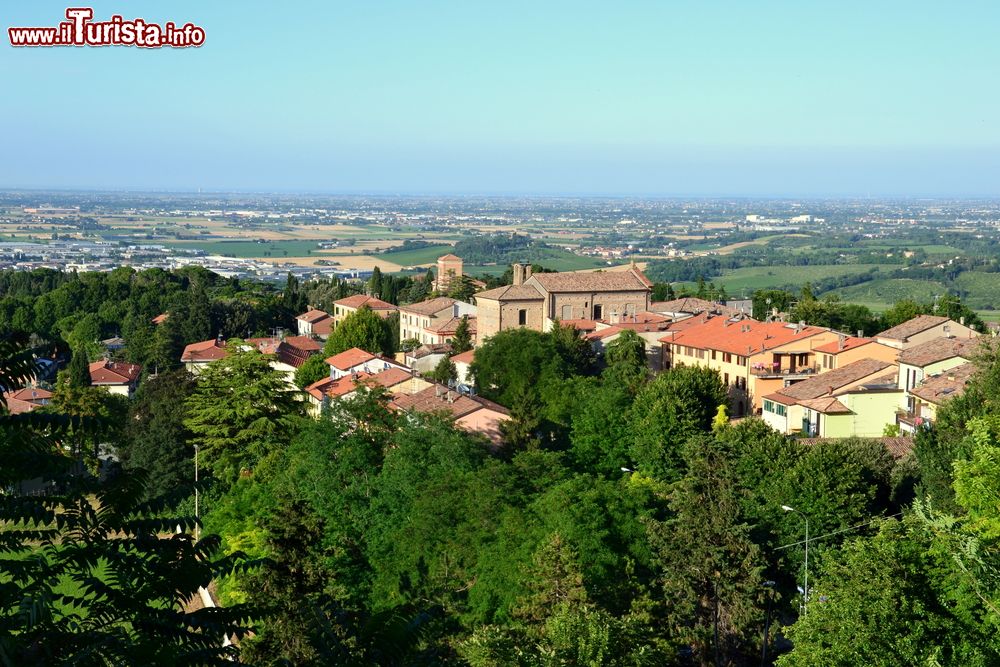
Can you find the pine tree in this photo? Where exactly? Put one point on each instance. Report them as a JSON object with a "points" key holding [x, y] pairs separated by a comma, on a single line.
{"points": [[375, 283], [462, 340], [78, 370]]}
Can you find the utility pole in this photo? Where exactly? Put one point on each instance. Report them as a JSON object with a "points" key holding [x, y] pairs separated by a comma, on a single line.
{"points": [[805, 584]]}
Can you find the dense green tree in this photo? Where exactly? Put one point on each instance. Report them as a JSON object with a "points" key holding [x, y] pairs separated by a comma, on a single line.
{"points": [[313, 370], [625, 361], [77, 373], [462, 340], [444, 372], [155, 438], [363, 329], [676, 405], [240, 412], [599, 431]]}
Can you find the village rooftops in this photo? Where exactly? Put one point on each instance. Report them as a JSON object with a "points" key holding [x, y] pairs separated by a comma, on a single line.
{"points": [[691, 306], [313, 315], [596, 281], [348, 359], [741, 335], [330, 388], [940, 349], [359, 300], [466, 357], [206, 350], [844, 344], [429, 307], [439, 398], [912, 327], [939, 388], [114, 373], [451, 326], [830, 383]]}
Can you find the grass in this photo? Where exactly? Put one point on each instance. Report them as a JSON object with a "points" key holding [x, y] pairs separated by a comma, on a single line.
{"points": [[882, 294], [426, 255], [270, 249], [768, 277]]}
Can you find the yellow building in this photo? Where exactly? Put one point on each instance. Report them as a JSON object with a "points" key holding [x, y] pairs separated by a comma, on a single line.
{"points": [[848, 349], [753, 358], [922, 329]]}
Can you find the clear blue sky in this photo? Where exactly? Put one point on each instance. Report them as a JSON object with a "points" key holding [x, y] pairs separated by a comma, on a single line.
{"points": [[804, 97]]}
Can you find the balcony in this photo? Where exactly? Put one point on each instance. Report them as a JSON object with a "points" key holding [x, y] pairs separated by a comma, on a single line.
{"points": [[774, 371]]}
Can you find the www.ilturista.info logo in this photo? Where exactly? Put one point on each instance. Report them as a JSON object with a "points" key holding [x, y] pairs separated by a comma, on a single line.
{"points": [[80, 30]]}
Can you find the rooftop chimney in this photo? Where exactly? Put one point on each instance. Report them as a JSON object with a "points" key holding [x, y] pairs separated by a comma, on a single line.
{"points": [[861, 334], [519, 273], [840, 341]]}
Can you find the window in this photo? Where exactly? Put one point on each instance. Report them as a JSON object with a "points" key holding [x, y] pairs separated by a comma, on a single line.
{"points": [[775, 408], [713, 355], [522, 317], [598, 311], [725, 379], [742, 361], [727, 358]]}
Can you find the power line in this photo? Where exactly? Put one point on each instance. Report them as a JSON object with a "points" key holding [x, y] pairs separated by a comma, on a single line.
{"points": [[837, 532]]}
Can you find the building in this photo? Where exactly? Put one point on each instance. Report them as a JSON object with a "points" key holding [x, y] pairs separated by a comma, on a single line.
{"points": [[752, 358], [923, 328], [288, 353], [924, 362], [356, 360], [463, 365], [315, 322], [535, 301], [472, 413], [857, 399], [426, 357], [848, 349], [689, 306], [449, 269], [933, 391], [115, 376], [344, 307], [434, 320], [198, 355], [26, 399]]}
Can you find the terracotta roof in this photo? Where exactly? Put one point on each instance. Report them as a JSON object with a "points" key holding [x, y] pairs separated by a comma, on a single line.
{"points": [[827, 405], [265, 345], [428, 349], [358, 300], [296, 350], [438, 398], [430, 307], [940, 349], [331, 388], [586, 326], [912, 327], [827, 383], [511, 293], [450, 326], [606, 332], [313, 315], [897, 446], [466, 357], [304, 343], [449, 256], [348, 359], [389, 377], [30, 394], [691, 305], [939, 388], [741, 336], [206, 350], [323, 327], [596, 281], [114, 372], [849, 343], [16, 406]]}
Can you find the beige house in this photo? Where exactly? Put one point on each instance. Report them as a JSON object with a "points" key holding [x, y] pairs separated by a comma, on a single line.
{"points": [[344, 307], [434, 320], [922, 329], [314, 322], [848, 349], [931, 394], [535, 301], [923, 362], [857, 399], [115, 376], [752, 358]]}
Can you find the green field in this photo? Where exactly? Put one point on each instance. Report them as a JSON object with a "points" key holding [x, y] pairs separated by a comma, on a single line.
{"points": [[753, 278], [252, 248], [881, 294], [426, 255]]}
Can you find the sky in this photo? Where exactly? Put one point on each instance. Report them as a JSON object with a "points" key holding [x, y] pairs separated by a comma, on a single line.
{"points": [[667, 98]]}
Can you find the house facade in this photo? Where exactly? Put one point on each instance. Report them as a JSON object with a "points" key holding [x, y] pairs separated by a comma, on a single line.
{"points": [[433, 321], [348, 305], [923, 329]]}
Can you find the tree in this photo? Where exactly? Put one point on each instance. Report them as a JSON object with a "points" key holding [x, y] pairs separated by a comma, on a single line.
{"points": [[155, 438], [93, 575], [375, 283], [313, 370], [444, 372], [363, 329], [462, 340], [677, 404], [77, 373], [241, 412], [625, 361]]}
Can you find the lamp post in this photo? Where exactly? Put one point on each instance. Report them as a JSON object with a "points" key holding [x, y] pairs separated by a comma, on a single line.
{"points": [[805, 584], [196, 513]]}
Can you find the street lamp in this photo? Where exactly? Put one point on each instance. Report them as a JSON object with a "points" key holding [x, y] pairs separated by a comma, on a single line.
{"points": [[805, 585]]}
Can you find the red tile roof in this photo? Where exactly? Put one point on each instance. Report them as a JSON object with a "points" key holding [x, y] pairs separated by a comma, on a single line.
{"points": [[313, 315], [30, 394], [358, 300], [304, 343], [466, 357], [449, 256], [16, 406], [206, 350], [596, 281], [741, 336], [912, 327], [323, 327], [389, 377], [512, 293], [114, 373], [436, 398], [348, 359], [940, 349], [586, 326], [450, 326], [429, 307], [850, 343], [328, 387], [939, 388], [828, 383]]}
